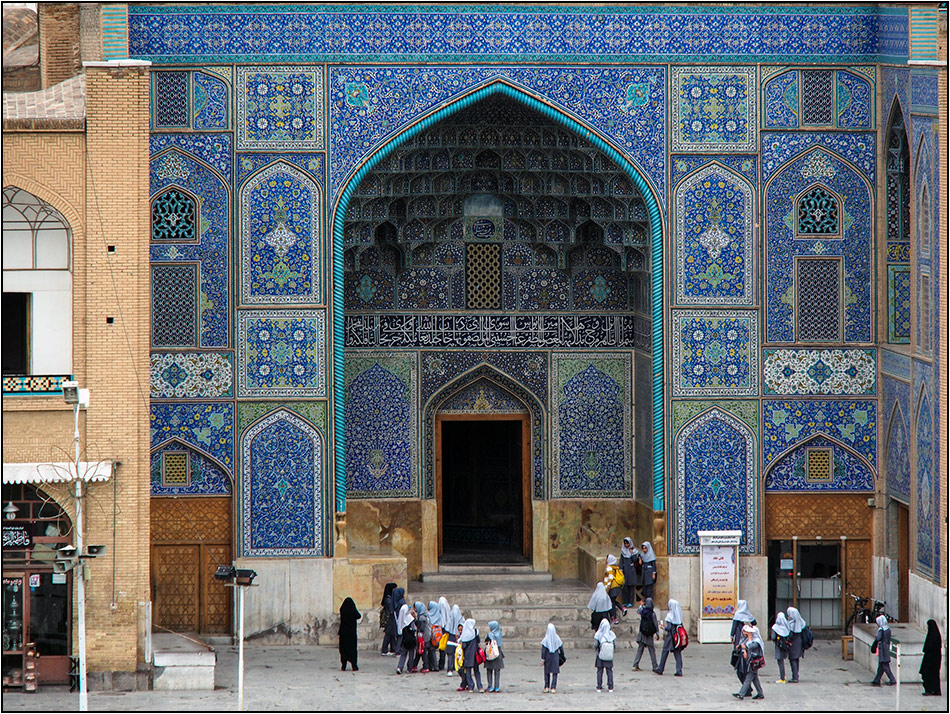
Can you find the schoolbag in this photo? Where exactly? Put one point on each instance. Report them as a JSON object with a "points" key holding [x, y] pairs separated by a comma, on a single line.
{"points": [[757, 663], [606, 653], [808, 638], [491, 650], [680, 638], [647, 626], [459, 657]]}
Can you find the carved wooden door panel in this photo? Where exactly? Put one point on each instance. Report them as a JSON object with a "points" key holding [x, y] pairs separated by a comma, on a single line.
{"points": [[216, 597], [175, 578]]}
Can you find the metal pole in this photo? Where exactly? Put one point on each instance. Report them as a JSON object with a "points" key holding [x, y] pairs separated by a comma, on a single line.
{"points": [[241, 589], [80, 574], [897, 656]]}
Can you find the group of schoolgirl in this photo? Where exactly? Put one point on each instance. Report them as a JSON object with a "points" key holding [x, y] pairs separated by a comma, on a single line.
{"points": [[437, 638], [630, 579]]}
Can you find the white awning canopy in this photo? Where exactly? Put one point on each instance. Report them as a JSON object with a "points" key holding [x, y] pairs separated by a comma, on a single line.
{"points": [[61, 472]]}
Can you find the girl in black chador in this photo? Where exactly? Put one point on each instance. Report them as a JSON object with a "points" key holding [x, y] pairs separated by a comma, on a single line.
{"points": [[349, 616], [930, 666]]}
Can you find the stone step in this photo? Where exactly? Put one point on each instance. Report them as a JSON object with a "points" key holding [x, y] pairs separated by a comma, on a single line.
{"points": [[477, 577]]}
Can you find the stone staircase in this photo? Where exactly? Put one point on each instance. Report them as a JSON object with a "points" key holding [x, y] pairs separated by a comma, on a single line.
{"points": [[523, 601]]}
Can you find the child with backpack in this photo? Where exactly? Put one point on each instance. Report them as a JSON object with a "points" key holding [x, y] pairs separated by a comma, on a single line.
{"points": [[552, 654], [673, 638], [423, 639], [781, 633], [604, 643], [471, 659], [796, 640], [649, 628], [752, 659], [494, 656]]}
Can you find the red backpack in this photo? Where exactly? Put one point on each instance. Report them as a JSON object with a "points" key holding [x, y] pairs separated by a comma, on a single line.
{"points": [[680, 638]]}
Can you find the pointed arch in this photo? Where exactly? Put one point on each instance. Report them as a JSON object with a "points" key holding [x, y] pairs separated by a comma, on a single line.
{"points": [[925, 495], [897, 454], [205, 475], [850, 472], [498, 85]]}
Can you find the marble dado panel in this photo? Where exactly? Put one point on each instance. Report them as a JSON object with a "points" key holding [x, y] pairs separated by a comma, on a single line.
{"points": [[387, 525], [191, 375], [715, 353], [280, 108], [626, 105], [714, 109], [840, 372], [380, 424], [853, 423], [205, 426], [282, 353], [615, 34], [713, 238], [592, 424]]}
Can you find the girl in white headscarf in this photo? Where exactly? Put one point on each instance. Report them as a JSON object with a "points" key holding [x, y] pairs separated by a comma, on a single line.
{"points": [[604, 642], [742, 617], [613, 582], [552, 650], [406, 637], [674, 618], [647, 569], [445, 615], [469, 641], [455, 622], [780, 634], [883, 641], [631, 566], [796, 623], [752, 649], [599, 606]]}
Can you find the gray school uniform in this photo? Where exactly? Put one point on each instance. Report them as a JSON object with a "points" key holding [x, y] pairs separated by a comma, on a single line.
{"points": [[552, 664], [498, 662], [795, 648]]}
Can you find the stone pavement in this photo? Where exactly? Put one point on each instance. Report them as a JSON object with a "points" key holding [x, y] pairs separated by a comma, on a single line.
{"points": [[309, 678]]}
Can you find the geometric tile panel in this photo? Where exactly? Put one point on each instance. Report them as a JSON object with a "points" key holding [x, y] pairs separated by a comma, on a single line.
{"points": [[716, 486], [591, 425], [281, 238], [927, 501], [282, 353], [848, 471], [898, 304], [817, 95], [819, 372], [170, 97], [819, 300], [283, 497], [895, 403], [714, 109], [206, 477], [190, 375], [787, 423], [280, 108], [715, 353], [207, 427], [380, 424], [175, 305], [714, 218]]}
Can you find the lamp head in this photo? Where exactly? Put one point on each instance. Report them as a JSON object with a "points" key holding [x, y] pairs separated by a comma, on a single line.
{"points": [[71, 392]]}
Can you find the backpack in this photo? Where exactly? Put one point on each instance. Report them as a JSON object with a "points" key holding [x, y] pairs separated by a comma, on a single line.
{"points": [[491, 650], [606, 653], [782, 642], [647, 626], [479, 656], [459, 657], [808, 638], [680, 638], [757, 663], [436, 635]]}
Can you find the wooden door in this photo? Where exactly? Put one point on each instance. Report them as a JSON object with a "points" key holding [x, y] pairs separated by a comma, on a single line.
{"points": [[176, 574]]}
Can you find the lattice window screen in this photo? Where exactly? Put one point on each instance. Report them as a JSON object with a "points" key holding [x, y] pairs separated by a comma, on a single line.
{"points": [[924, 312], [817, 97], [171, 99], [173, 217], [175, 469], [175, 305], [819, 465], [483, 276], [819, 300], [818, 213]]}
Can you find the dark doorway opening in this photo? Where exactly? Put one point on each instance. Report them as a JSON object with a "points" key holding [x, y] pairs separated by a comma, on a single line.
{"points": [[483, 518]]}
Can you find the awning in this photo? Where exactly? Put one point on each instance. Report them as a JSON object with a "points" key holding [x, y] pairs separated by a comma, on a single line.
{"points": [[61, 472]]}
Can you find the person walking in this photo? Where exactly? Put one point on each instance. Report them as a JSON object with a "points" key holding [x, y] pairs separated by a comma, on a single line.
{"points": [[604, 659], [930, 665], [406, 640], [674, 618], [753, 657], [387, 621], [796, 623], [647, 633], [630, 566], [780, 634], [349, 616], [742, 618], [647, 569], [882, 646], [599, 605], [613, 582], [552, 654]]}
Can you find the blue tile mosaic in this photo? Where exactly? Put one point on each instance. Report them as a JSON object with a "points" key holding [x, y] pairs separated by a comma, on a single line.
{"points": [[210, 102], [482, 398], [206, 478], [898, 304], [785, 244], [715, 353], [855, 101], [924, 92], [182, 170], [895, 364], [381, 406], [896, 403], [591, 425], [283, 496], [215, 150], [858, 148], [715, 480], [391, 97], [191, 375], [266, 34], [541, 289], [713, 237], [282, 353], [423, 289], [787, 423], [780, 109], [282, 243], [927, 502], [205, 426], [280, 108], [849, 473], [250, 163], [713, 109], [839, 372]]}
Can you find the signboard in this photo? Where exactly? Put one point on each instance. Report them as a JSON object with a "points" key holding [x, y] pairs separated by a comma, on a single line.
{"points": [[720, 584], [34, 580], [16, 537]]}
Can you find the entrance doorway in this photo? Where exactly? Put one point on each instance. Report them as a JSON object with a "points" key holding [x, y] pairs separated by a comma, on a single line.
{"points": [[806, 575], [484, 504]]}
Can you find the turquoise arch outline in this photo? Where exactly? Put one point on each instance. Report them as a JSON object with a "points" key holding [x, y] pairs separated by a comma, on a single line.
{"points": [[499, 86]]}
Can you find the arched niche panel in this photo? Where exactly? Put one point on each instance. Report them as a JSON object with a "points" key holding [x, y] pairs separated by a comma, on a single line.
{"points": [[178, 469], [820, 464]]}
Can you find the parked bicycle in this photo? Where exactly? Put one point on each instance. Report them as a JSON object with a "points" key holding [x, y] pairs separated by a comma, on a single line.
{"points": [[863, 614]]}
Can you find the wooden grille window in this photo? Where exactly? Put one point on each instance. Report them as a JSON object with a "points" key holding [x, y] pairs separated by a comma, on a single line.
{"points": [[483, 276], [819, 300], [819, 465], [175, 469]]}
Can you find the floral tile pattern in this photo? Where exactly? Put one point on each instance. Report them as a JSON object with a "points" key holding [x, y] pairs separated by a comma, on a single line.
{"points": [[279, 108], [282, 353], [715, 353], [896, 406], [207, 427], [819, 372], [714, 109], [206, 478], [848, 472], [191, 375], [853, 423]]}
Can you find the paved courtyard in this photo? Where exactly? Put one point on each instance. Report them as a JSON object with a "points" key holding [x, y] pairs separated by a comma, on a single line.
{"points": [[309, 678]]}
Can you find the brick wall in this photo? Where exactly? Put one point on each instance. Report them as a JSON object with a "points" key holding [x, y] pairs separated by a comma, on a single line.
{"points": [[59, 42]]}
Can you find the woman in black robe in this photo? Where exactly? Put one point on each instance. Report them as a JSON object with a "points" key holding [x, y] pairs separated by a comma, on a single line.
{"points": [[930, 666], [349, 616], [387, 621]]}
